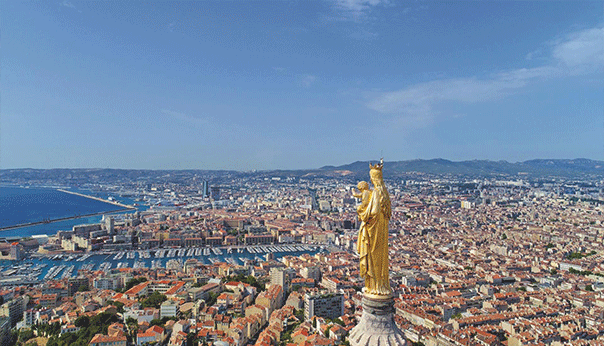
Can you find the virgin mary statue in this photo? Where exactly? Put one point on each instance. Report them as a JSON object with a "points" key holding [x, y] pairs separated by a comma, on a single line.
{"points": [[373, 236]]}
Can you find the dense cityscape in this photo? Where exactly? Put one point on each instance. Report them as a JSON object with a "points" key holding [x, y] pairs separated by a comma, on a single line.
{"points": [[508, 260], [302, 173]]}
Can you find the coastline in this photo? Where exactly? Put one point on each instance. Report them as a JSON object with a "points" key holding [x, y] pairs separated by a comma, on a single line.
{"points": [[64, 218], [122, 208]]}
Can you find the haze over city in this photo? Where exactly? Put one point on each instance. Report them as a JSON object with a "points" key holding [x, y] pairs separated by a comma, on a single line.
{"points": [[298, 84]]}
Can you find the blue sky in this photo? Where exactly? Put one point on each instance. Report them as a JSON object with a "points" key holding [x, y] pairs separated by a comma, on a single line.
{"points": [[298, 84]]}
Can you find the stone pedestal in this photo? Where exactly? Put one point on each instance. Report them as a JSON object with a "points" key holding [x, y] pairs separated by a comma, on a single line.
{"points": [[377, 327]]}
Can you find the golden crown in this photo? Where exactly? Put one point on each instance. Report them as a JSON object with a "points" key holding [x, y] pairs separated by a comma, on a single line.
{"points": [[377, 166]]}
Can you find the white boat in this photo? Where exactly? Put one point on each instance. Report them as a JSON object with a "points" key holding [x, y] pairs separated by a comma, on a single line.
{"points": [[67, 273]]}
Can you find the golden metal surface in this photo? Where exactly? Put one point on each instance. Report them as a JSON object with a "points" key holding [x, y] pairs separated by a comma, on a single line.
{"points": [[377, 296], [372, 244]]}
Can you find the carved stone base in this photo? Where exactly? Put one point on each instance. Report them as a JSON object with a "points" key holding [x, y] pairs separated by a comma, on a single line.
{"points": [[377, 327]]}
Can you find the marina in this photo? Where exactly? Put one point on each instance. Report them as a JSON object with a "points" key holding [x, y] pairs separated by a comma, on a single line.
{"points": [[64, 266]]}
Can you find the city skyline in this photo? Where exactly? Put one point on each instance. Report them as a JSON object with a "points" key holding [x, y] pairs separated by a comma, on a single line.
{"points": [[298, 85]]}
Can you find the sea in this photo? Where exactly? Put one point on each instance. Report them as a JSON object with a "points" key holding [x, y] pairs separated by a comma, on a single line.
{"points": [[21, 205]]}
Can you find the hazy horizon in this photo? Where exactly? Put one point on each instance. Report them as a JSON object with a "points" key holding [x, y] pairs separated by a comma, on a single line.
{"points": [[223, 85], [289, 169]]}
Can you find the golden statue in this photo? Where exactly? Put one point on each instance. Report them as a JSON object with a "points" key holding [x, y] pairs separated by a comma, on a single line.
{"points": [[372, 244]]}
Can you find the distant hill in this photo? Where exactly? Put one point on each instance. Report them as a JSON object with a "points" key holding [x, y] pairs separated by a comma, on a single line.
{"points": [[538, 167]]}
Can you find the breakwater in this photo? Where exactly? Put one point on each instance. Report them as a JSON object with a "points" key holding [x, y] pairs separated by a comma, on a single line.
{"points": [[64, 218], [98, 199], [119, 208]]}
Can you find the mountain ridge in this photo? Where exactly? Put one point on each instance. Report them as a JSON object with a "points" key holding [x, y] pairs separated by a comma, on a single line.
{"points": [[536, 168], [563, 167]]}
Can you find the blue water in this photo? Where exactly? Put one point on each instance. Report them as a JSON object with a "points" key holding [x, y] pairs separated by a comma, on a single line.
{"points": [[23, 205]]}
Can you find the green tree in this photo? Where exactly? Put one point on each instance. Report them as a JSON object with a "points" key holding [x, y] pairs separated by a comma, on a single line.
{"points": [[82, 322], [55, 328], [25, 335], [89, 326], [250, 280], [154, 300], [134, 282], [156, 322], [211, 300], [192, 339], [119, 306], [161, 322], [574, 255], [579, 272], [299, 314], [68, 339]]}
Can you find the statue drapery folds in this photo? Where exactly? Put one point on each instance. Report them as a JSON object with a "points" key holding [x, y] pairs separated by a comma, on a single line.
{"points": [[372, 244]]}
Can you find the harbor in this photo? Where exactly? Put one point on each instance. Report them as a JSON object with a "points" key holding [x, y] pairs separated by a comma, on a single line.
{"points": [[38, 269]]}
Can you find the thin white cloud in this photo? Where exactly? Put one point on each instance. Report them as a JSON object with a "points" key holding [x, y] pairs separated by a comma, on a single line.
{"points": [[184, 117], [578, 53], [357, 9], [66, 3], [582, 50], [307, 80]]}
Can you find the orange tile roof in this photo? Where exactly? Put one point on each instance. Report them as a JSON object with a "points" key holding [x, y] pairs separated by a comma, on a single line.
{"points": [[100, 338]]}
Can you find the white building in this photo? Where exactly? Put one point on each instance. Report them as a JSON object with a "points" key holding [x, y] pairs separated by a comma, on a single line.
{"points": [[169, 308], [329, 305]]}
